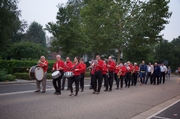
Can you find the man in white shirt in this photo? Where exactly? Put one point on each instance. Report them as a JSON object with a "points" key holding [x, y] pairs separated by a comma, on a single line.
{"points": [[150, 70], [163, 72]]}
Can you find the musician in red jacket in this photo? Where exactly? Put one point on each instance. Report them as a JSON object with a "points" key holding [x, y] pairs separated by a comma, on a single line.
{"points": [[111, 67], [83, 71], [98, 64], [129, 68], [67, 67], [58, 66], [76, 69], [104, 73], [44, 64], [134, 74], [121, 74]]}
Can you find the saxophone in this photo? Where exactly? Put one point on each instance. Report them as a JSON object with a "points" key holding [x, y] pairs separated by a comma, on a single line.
{"points": [[119, 73]]}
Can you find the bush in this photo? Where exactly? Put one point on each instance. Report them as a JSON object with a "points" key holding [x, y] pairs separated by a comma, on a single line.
{"points": [[16, 66], [6, 77]]}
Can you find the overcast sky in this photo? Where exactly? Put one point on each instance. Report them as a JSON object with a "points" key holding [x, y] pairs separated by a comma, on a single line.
{"points": [[44, 11]]}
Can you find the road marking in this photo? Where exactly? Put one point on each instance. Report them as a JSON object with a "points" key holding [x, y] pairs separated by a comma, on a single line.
{"points": [[154, 115], [29, 91], [161, 117]]}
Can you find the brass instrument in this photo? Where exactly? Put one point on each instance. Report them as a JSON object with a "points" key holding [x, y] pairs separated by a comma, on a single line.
{"points": [[119, 73]]}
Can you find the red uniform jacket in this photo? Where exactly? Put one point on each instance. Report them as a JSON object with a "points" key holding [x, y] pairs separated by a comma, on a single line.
{"points": [[83, 67], [78, 72], [58, 64], [123, 70], [45, 68], [92, 70], [67, 66], [104, 69], [117, 69], [99, 66], [112, 66], [129, 68], [136, 69]]}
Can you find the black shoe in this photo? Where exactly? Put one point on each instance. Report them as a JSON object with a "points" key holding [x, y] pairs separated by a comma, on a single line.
{"points": [[110, 89], [37, 91], [117, 88], [62, 88], [97, 92], [94, 92], [105, 90], [42, 91], [58, 93], [71, 94], [76, 95]]}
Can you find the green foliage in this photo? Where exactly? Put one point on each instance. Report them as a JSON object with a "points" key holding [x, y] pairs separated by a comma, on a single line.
{"points": [[9, 21], [21, 66], [6, 77], [67, 31], [35, 34], [26, 50]]}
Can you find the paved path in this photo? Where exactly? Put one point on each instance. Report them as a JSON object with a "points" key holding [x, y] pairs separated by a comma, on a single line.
{"points": [[118, 104]]}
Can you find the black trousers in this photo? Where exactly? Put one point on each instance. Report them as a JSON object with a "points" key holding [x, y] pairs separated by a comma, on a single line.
{"points": [[76, 80], [111, 74], [162, 77], [128, 79], [97, 78], [63, 82], [82, 81], [149, 75], [156, 80], [57, 87], [105, 77], [121, 81], [134, 79], [115, 77]]}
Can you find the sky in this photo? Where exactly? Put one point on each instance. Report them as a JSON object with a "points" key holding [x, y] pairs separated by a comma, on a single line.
{"points": [[44, 11]]}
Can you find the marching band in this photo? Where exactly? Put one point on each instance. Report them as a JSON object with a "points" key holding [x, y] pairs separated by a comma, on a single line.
{"points": [[102, 72]]}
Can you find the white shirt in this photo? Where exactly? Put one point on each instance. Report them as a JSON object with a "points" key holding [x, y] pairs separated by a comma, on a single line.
{"points": [[149, 68], [163, 68]]}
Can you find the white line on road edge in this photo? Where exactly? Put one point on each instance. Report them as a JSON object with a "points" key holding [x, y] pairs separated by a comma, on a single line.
{"points": [[29, 91], [161, 117], [163, 110]]}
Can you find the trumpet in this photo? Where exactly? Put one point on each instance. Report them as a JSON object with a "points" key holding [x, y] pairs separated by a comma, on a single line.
{"points": [[119, 73]]}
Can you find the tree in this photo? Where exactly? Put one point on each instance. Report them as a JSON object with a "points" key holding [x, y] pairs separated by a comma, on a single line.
{"points": [[9, 22], [120, 24], [67, 30], [26, 50], [35, 34]]}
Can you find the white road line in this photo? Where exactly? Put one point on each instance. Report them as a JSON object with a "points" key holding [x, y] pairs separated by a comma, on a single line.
{"points": [[161, 117], [163, 110], [29, 91]]}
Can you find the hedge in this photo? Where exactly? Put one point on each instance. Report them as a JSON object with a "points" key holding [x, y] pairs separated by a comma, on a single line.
{"points": [[14, 66], [26, 75]]}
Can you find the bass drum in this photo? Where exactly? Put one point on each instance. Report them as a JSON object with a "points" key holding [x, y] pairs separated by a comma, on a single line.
{"points": [[36, 73]]}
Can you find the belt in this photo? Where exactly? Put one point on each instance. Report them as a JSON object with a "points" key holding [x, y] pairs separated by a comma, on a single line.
{"points": [[142, 71]]}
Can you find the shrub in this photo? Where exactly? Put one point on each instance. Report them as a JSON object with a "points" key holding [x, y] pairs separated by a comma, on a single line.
{"points": [[6, 77]]}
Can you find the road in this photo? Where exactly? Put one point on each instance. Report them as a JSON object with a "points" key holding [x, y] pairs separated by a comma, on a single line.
{"points": [[18, 101]]}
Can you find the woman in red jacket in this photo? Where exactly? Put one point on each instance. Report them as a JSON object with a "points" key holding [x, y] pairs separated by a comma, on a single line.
{"points": [[76, 69]]}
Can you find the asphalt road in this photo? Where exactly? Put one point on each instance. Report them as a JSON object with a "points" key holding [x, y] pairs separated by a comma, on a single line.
{"points": [[18, 101]]}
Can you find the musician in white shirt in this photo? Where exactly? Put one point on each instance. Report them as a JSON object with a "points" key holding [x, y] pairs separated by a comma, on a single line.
{"points": [[163, 72]]}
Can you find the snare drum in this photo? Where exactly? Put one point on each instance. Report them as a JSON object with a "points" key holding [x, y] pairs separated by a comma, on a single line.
{"points": [[56, 74], [68, 74], [36, 73]]}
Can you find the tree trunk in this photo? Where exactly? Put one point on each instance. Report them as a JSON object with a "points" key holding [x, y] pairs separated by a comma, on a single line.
{"points": [[119, 55]]}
